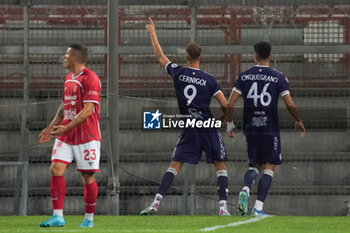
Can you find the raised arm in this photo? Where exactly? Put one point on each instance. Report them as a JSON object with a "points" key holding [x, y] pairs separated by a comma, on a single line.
{"points": [[294, 112], [229, 113], [157, 49]]}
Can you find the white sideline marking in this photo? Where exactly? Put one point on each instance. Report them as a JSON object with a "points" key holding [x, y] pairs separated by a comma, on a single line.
{"points": [[61, 229], [234, 224]]}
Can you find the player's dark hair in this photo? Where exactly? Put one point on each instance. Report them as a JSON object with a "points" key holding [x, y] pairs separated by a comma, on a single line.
{"points": [[262, 49], [193, 51], [80, 51]]}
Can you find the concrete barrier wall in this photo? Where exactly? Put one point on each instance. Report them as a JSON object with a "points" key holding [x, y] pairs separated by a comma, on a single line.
{"points": [[290, 36], [314, 205], [293, 173]]}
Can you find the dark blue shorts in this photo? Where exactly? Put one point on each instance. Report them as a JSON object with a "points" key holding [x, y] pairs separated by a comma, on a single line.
{"points": [[191, 143], [263, 149]]}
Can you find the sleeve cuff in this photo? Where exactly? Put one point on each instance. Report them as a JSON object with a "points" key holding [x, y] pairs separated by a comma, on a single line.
{"points": [[91, 101], [166, 66], [237, 90], [217, 92], [283, 93]]}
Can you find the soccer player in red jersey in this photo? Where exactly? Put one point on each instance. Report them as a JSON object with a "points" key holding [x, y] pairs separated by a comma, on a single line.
{"points": [[77, 130]]}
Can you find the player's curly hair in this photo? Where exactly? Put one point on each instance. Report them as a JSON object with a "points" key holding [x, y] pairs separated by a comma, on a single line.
{"points": [[262, 49], [193, 51], [80, 51]]}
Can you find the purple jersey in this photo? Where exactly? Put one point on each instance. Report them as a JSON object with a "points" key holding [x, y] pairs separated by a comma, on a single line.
{"points": [[194, 89], [260, 88]]}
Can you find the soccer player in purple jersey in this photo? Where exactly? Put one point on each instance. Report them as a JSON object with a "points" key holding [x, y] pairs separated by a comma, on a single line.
{"points": [[260, 88], [194, 90]]}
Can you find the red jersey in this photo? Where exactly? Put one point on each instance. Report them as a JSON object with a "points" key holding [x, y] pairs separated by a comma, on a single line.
{"points": [[80, 89]]}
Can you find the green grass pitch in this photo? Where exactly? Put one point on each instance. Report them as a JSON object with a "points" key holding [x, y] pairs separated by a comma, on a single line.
{"points": [[188, 224]]}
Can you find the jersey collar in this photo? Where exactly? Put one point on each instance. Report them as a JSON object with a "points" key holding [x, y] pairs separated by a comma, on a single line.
{"points": [[193, 68], [261, 66], [74, 77]]}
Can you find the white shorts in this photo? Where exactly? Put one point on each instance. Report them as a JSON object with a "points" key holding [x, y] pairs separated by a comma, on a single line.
{"points": [[86, 155]]}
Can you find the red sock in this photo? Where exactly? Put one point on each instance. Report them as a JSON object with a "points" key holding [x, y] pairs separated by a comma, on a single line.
{"points": [[90, 197], [58, 191]]}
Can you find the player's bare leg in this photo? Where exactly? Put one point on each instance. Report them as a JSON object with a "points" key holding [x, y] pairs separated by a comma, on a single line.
{"points": [[164, 186], [263, 189], [90, 197], [58, 192], [222, 184]]}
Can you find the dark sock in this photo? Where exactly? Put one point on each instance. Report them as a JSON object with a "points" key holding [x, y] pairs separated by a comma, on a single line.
{"points": [[167, 181], [264, 185], [249, 177], [222, 183]]}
